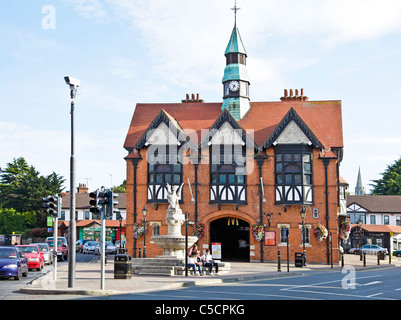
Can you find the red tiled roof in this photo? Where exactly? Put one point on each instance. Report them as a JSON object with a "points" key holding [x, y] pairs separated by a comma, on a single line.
{"points": [[323, 118], [379, 228]]}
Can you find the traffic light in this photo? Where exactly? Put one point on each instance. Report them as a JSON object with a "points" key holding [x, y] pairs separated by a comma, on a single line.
{"points": [[112, 202], [94, 202], [103, 197], [52, 204]]}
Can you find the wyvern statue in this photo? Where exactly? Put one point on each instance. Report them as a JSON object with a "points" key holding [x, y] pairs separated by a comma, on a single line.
{"points": [[173, 196]]}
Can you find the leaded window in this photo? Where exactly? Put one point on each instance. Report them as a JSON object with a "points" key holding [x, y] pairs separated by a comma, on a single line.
{"points": [[293, 175], [163, 168], [228, 174]]}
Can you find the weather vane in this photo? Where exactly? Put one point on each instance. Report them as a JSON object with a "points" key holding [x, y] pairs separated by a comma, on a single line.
{"points": [[235, 9]]}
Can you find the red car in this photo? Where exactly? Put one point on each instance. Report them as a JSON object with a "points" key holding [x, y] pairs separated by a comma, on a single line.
{"points": [[62, 249], [34, 255]]}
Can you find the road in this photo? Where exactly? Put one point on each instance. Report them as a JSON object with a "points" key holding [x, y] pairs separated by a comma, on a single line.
{"points": [[9, 287], [376, 284], [379, 284]]}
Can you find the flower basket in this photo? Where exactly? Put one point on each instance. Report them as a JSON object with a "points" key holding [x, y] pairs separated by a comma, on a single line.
{"points": [[345, 229], [258, 231], [321, 232], [139, 229], [199, 229]]}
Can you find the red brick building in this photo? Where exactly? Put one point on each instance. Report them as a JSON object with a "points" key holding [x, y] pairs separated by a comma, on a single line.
{"points": [[242, 163]]}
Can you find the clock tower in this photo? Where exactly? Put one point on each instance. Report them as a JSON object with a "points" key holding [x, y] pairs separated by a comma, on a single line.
{"points": [[235, 80]]}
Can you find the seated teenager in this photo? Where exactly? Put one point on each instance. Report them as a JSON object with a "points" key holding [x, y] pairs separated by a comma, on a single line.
{"points": [[208, 262]]}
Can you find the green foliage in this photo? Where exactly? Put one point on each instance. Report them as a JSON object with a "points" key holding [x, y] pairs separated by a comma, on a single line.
{"points": [[22, 189], [390, 183], [11, 221], [121, 188]]}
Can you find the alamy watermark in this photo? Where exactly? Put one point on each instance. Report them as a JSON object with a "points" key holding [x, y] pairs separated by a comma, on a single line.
{"points": [[49, 19], [169, 145]]}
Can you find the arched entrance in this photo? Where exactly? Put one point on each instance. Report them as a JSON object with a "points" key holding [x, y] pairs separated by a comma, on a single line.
{"points": [[234, 236]]}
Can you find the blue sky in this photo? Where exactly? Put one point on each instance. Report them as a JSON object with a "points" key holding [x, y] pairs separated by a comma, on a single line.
{"points": [[131, 51]]}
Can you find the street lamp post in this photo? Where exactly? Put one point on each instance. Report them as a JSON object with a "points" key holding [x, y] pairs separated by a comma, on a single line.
{"points": [[120, 218], [144, 212], [74, 84], [360, 223], [303, 213]]}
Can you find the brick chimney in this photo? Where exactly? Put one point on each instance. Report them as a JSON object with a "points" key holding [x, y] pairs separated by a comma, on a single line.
{"points": [[193, 99], [82, 188], [292, 97]]}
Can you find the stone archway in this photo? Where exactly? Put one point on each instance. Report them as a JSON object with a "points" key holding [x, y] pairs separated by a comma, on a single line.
{"points": [[230, 232]]}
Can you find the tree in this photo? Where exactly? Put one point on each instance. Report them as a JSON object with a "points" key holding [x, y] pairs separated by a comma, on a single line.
{"points": [[121, 188], [11, 221], [22, 188], [390, 183]]}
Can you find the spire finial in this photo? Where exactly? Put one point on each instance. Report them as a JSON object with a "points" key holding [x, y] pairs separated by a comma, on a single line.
{"points": [[235, 9]]}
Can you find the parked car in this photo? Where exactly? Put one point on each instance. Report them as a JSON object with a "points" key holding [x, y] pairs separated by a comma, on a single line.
{"points": [[34, 255], [368, 248], [47, 253], [109, 246], [89, 247], [80, 243], [397, 253], [62, 249], [13, 263], [63, 239]]}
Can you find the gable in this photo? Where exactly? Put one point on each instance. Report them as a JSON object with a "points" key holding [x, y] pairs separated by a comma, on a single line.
{"points": [[355, 208], [287, 129], [162, 135], [292, 134], [226, 134]]}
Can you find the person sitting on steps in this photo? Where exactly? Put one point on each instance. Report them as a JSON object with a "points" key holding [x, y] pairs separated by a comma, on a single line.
{"points": [[208, 262], [193, 263]]}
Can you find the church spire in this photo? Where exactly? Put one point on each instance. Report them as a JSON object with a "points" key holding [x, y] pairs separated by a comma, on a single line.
{"points": [[235, 81], [359, 189]]}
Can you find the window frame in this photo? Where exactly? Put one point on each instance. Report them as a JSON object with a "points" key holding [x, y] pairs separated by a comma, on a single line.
{"points": [[286, 181], [221, 169]]}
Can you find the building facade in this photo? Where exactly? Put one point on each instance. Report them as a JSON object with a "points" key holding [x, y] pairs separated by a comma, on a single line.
{"points": [[242, 164]]}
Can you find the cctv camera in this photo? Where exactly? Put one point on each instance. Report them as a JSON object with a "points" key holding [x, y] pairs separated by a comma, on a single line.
{"points": [[72, 81]]}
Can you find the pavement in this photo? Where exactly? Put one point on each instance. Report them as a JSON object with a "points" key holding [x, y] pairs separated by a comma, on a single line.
{"points": [[87, 277]]}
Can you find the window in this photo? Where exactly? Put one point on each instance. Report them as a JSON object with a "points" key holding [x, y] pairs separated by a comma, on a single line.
{"points": [[306, 239], [283, 235], [398, 221], [228, 174], [386, 220], [293, 173], [87, 215], [372, 219], [168, 170]]}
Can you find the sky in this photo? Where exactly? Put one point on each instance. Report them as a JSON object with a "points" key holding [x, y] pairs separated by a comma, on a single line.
{"points": [[137, 51]]}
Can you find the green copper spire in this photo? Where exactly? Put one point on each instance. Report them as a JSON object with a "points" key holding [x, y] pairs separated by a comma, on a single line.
{"points": [[235, 44]]}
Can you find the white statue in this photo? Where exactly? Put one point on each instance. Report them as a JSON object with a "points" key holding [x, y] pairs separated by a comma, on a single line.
{"points": [[173, 196]]}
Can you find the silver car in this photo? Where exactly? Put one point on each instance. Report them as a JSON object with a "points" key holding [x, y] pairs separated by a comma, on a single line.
{"points": [[89, 247], [109, 246], [47, 252]]}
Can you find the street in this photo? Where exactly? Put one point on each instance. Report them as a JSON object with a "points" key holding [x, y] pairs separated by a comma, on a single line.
{"points": [[348, 284], [379, 284], [9, 287]]}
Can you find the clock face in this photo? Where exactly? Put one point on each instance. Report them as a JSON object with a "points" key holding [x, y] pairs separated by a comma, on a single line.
{"points": [[234, 85]]}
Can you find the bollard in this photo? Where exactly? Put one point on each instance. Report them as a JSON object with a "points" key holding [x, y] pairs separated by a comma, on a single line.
{"points": [[279, 262], [389, 258], [342, 260], [139, 254], [378, 258], [364, 259]]}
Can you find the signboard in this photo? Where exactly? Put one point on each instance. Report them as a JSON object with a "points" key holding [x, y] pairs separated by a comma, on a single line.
{"points": [[270, 238], [49, 221], [216, 250]]}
